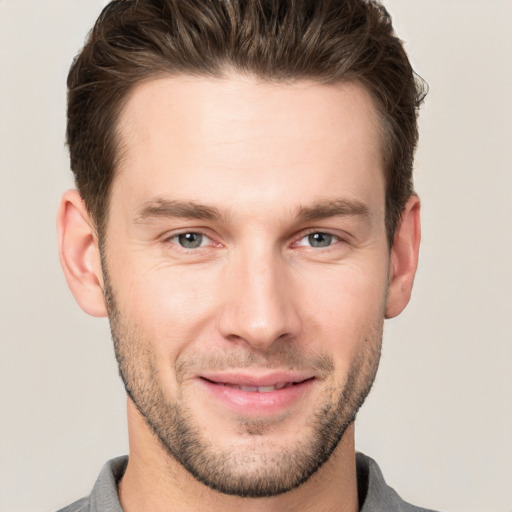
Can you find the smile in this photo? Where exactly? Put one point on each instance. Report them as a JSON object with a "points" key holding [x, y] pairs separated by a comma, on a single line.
{"points": [[258, 389], [257, 395]]}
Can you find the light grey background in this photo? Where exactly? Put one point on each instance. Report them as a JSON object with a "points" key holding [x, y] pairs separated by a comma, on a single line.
{"points": [[439, 420]]}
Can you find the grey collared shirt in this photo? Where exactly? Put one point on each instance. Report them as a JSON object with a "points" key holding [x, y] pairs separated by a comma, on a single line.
{"points": [[374, 494]]}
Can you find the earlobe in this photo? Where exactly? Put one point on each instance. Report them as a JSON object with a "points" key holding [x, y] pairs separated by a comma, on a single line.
{"points": [[404, 258], [79, 254]]}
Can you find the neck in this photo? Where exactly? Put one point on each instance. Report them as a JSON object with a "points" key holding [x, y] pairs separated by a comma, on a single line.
{"points": [[156, 482]]}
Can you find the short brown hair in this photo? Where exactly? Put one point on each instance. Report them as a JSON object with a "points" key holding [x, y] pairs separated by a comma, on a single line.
{"points": [[328, 41]]}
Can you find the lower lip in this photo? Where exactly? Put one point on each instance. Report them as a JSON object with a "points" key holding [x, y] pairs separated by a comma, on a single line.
{"points": [[255, 403]]}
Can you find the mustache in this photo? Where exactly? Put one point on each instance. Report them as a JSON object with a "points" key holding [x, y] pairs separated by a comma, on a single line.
{"points": [[285, 357]]}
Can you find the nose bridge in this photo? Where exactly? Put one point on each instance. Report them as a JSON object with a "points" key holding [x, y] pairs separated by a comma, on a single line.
{"points": [[258, 305]]}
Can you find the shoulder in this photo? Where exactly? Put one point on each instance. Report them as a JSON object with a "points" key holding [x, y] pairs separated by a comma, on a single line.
{"points": [[103, 497], [81, 505], [374, 493]]}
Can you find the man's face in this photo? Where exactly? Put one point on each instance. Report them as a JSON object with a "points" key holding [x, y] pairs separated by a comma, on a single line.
{"points": [[246, 272]]}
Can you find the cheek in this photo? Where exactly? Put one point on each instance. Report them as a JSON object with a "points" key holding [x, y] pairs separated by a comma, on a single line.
{"points": [[345, 308], [344, 294], [176, 306], [170, 305]]}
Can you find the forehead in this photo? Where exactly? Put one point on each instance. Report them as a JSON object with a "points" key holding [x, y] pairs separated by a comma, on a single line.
{"points": [[211, 139]]}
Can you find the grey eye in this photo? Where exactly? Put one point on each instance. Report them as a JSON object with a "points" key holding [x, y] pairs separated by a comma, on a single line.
{"points": [[320, 239], [191, 240]]}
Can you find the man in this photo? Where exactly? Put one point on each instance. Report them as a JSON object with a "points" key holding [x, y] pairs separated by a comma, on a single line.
{"points": [[245, 216]]}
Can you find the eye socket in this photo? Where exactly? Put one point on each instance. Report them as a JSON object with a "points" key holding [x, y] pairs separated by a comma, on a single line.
{"points": [[190, 240], [318, 239]]}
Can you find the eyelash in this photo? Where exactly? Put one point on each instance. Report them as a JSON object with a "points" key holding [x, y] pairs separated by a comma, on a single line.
{"points": [[175, 236], [335, 239]]}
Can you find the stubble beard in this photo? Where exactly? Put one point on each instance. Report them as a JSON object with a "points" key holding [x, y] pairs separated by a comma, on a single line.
{"points": [[246, 473]]}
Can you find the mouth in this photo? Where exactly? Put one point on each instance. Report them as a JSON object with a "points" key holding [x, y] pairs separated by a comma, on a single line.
{"points": [[258, 389], [252, 395]]}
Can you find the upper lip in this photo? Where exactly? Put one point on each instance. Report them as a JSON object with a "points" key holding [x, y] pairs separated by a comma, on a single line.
{"points": [[255, 379]]}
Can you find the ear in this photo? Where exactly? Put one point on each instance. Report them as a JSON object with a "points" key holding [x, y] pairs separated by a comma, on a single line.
{"points": [[404, 258], [79, 254]]}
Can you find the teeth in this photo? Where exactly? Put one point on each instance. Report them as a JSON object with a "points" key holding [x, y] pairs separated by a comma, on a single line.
{"points": [[266, 389], [250, 389], [261, 389]]}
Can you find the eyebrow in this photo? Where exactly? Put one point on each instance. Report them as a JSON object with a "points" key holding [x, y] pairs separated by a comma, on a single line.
{"points": [[163, 208], [166, 208], [334, 208]]}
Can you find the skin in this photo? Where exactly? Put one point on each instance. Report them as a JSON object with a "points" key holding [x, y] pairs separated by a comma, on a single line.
{"points": [[256, 298]]}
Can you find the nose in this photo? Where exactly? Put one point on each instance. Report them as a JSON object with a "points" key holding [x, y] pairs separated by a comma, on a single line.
{"points": [[259, 301]]}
